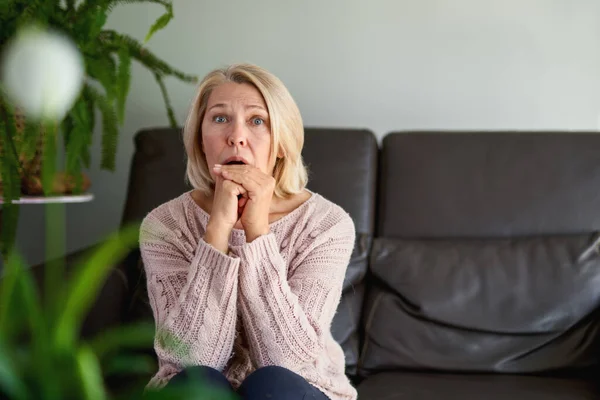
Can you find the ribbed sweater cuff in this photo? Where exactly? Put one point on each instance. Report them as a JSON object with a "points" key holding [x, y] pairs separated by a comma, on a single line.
{"points": [[207, 255], [264, 247]]}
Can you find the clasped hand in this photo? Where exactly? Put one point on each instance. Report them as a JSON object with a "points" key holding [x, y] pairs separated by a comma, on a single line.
{"points": [[242, 193]]}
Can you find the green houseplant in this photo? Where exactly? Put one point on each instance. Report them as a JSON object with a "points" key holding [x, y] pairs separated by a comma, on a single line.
{"points": [[42, 356], [42, 353], [25, 144]]}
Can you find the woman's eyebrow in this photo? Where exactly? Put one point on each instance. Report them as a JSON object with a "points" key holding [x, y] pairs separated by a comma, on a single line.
{"points": [[258, 106], [218, 105]]}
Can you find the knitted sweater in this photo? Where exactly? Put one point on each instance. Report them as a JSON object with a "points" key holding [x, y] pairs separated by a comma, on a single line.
{"points": [[268, 302]]}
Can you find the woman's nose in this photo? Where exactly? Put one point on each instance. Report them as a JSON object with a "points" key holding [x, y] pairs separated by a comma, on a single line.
{"points": [[238, 136]]}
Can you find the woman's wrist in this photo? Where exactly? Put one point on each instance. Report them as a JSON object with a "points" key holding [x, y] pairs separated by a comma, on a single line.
{"points": [[217, 235], [253, 234]]}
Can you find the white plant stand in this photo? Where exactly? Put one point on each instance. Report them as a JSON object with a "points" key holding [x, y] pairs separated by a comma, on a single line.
{"points": [[82, 198]]}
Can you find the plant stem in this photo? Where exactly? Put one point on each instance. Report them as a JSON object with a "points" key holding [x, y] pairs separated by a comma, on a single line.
{"points": [[54, 274]]}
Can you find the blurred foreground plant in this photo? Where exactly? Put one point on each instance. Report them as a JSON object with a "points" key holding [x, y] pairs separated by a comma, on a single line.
{"points": [[41, 353]]}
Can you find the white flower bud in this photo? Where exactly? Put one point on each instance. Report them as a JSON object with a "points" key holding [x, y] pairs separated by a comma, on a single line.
{"points": [[42, 73]]}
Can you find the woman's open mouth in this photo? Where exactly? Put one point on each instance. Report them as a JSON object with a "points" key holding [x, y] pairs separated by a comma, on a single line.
{"points": [[237, 160]]}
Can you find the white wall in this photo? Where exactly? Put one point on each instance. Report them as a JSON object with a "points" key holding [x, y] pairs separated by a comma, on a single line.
{"points": [[383, 64]]}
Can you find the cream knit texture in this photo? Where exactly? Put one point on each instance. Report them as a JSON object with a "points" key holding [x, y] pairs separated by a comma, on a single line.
{"points": [[268, 302]]}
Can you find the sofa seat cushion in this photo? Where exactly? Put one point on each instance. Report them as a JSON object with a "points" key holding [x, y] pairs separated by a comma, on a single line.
{"points": [[432, 386], [520, 305]]}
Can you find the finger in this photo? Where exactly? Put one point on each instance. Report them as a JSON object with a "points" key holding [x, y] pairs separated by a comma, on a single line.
{"points": [[234, 188], [252, 178], [249, 181], [256, 173], [242, 169]]}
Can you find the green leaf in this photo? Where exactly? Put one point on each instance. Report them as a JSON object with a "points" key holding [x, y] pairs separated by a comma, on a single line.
{"points": [[113, 3], [90, 374], [140, 364], [123, 81], [8, 288], [87, 282], [75, 147], [195, 388], [160, 23], [87, 22], [50, 157], [11, 180], [167, 100], [110, 130], [32, 13], [10, 382], [91, 113], [77, 140], [29, 305], [30, 302], [138, 52], [133, 336], [104, 70], [31, 138], [98, 19], [10, 323]]}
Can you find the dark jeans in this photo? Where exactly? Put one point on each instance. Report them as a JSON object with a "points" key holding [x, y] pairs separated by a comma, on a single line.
{"points": [[274, 383]]}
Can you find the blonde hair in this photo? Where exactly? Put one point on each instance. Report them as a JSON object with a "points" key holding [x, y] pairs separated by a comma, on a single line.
{"points": [[287, 130]]}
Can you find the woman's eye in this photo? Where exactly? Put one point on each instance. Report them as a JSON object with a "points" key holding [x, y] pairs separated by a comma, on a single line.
{"points": [[258, 121], [219, 119]]}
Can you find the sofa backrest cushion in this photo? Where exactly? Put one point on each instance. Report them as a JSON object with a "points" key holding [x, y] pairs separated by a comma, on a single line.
{"points": [[157, 172], [488, 184]]}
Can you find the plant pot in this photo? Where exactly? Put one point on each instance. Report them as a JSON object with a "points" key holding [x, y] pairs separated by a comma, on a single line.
{"points": [[63, 184], [31, 169]]}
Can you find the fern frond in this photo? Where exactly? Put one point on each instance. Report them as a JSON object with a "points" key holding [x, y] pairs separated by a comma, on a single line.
{"points": [[159, 24], [85, 28], [115, 41], [50, 158], [9, 148], [109, 128], [8, 12], [11, 181], [31, 138], [104, 70], [77, 144], [165, 95], [115, 3], [32, 13], [123, 82], [91, 107]]}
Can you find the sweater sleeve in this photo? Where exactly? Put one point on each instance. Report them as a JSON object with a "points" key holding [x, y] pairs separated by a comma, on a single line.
{"points": [[287, 319], [192, 289]]}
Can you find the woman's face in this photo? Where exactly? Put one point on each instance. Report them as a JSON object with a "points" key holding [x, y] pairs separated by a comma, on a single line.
{"points": [[236, 128]]}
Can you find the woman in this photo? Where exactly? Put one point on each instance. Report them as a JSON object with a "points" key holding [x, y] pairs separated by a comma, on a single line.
{"points": [[245, 271]]}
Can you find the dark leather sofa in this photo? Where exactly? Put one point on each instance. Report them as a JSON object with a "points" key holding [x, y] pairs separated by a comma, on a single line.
{"points": [[476, 269]]}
